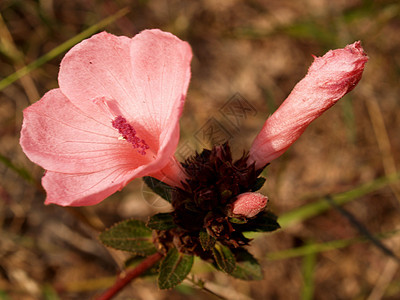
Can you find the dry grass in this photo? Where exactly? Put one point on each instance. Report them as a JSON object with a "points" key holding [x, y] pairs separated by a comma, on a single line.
{"points": [[258, 49]]}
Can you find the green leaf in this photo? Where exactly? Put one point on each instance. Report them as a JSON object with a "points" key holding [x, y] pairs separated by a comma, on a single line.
{"points": [[160, 188], [129, 235], [224, 258], [264, 222], [247, 267], [207, 241], [174, 269], [258, 185], [162, 221]]}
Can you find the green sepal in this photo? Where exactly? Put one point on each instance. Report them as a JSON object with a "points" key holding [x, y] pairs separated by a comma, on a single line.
{"points": [[267, 222], [264, 222], [207, 241], [247, 267], [224, 258], [161, 221], [259, 184], [129, 235], [160, 188], [238, 220], [174, 268]]}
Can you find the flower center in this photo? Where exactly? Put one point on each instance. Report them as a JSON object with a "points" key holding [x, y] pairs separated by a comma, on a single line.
{"points": [[128, 133]]}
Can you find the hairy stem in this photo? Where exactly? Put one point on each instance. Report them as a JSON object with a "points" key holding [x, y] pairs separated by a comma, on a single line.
{"points": [[122, 281]]}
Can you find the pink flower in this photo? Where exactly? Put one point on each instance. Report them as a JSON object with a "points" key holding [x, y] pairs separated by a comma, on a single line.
{"points": [[249, 204], [329, 78], [114, 118]]}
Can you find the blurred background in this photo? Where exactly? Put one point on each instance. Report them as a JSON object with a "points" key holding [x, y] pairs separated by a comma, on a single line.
{"points": [[248, 55]]}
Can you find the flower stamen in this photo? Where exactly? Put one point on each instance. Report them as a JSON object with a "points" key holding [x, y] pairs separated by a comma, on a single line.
{"points": [[128, 133]]}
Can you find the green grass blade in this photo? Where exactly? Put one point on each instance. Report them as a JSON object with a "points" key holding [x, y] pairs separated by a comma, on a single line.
{"points": [[349, 119], [49, 293], [4, 295], [308, 266], [20, 171], [321, 205], [322, 247], [61, 48]]}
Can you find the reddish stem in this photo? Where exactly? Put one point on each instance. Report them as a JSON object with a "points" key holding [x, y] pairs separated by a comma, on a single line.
{"points": [[122, 281]]}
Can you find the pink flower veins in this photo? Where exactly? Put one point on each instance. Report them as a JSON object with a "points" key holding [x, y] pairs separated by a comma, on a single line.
{"points": [[329, 78], [114, 118]]}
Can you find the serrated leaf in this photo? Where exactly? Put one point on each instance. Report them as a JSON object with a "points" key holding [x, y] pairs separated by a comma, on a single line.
{"points": [[174, 268], [258, 185], [207, 241], [129, 235], [224, 258], [247, 267], [161, 221], [160, 188]]}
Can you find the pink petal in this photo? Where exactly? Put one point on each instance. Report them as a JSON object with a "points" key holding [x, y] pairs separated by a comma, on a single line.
{"points": [[249, 204], [161, 72], [172, 174], [98, 67], [70, 133], [82, 189], [328, 79], [145, 77], [61, 138]]}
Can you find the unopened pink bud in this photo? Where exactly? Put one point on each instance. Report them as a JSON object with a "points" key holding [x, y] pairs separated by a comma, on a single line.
{"points": [[329, 78], [249, 204]]}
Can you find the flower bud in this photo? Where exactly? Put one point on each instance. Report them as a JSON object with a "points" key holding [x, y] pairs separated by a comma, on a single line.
{"points": [[249, 204], [329, 78]]}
